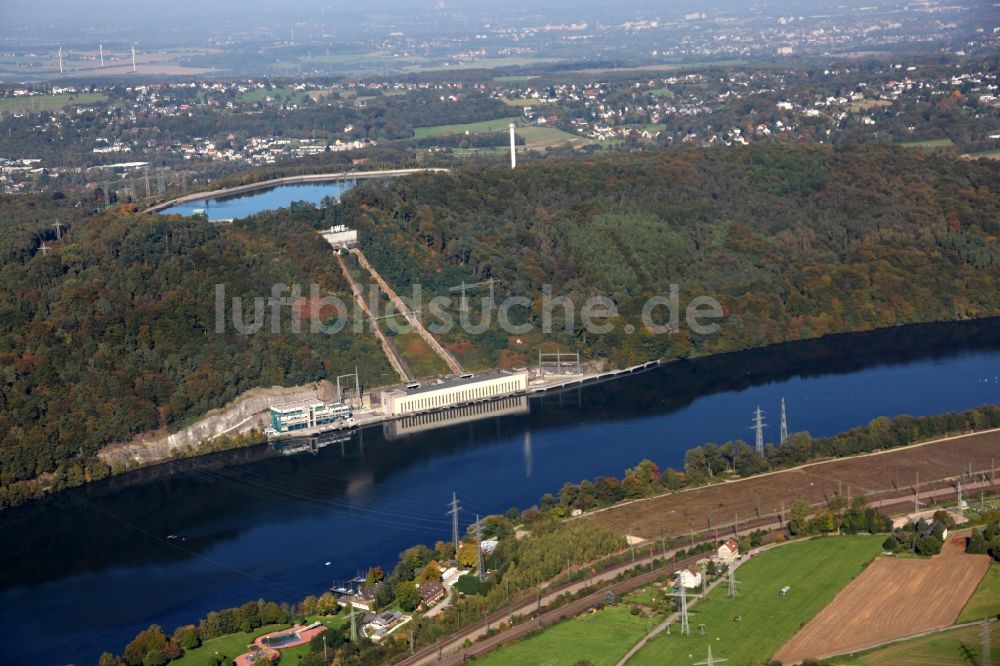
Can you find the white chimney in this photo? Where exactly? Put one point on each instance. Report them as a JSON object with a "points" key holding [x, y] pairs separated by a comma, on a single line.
{"points": [[513, 151]]}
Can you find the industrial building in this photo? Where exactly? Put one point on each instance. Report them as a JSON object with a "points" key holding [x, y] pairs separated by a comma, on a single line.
{"points": [[304, 414], [451, 391], [424, 421], [340, 237]]}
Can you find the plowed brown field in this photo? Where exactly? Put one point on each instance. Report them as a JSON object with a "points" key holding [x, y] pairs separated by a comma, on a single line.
{"points": [[887, 477], [892, 598]]}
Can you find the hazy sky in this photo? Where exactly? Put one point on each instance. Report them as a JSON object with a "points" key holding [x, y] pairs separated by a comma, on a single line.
{"points": [[85, 13]]}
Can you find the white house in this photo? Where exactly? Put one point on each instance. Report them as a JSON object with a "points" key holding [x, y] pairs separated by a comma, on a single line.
{"points": [[689, 578], [728, 552]]}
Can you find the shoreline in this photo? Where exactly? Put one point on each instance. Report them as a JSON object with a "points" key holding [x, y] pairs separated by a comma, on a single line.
{"points": [[289, 180], [565, 384]]}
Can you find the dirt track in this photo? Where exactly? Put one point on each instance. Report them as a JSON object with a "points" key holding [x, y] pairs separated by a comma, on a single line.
{"points": [[891, 599]]}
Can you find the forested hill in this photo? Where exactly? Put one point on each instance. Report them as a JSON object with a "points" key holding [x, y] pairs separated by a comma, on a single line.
{"points": [[112, 332], [795, 242]]}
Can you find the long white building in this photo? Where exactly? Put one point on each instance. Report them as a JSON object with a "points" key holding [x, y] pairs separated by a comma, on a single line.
{"points": [[450, 391]]}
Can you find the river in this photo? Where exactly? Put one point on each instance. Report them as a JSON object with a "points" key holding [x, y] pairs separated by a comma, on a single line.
{"points": [[84, 570]]}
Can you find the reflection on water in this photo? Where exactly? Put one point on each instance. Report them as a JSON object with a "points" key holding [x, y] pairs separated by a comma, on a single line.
{"points": [[169, 543]]}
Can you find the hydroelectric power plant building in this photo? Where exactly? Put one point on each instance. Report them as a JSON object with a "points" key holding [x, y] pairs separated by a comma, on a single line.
{"points": [[451, 391], [303, 414]]}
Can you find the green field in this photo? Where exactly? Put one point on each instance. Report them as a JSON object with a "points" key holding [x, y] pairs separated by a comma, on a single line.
{"points": [[231, 646], [601, 638], [815, 570], [540, 138], [48, 102], [955, 647], [513, 78], [524, 101], [482, 63], [483, 126], [288, 94], [663, 92], [234, 645], [930, 143], [468, 152], [988, 154], [985, 601]]}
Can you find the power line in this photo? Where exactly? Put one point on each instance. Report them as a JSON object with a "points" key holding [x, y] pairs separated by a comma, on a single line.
{"points": [[986, 642], [784, 423], [685, 627], [454, 521], [479, 549], [759, 426]]}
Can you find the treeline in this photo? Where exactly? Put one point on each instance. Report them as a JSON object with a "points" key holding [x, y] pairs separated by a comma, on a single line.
{"points": [[986, 540], [711, 463], [795, 242], [113, 331], [152, 647], [923, 537], [515, 565]]}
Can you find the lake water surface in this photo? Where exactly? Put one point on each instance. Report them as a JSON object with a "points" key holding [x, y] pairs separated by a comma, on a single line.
{"points": [[244, 205]]}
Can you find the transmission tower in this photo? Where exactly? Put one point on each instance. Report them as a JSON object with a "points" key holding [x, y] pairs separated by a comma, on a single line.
{"points": [[732, 582], [758, 427], [58, 225], [454, 521], [479, 549], [710, 661], [685, 626], [986, 642], [784, 423]]}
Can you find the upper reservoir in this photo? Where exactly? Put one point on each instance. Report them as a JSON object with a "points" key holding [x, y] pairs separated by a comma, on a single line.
{"points": [[83, 570], [279, 196]]}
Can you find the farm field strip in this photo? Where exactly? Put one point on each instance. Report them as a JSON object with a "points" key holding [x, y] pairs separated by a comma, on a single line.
{"points": [[891, 471], [483, 126], [814, 570], [960, 646], [893, 598]]}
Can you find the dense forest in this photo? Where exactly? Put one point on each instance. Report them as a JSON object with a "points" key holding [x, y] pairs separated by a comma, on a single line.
{"points": [[109, 332], [112, 331], [794, 242]]}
